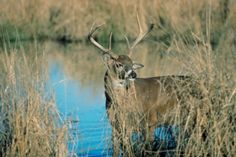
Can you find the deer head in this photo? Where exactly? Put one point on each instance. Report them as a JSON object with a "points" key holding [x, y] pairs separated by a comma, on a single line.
{"points": [[120, 66]]}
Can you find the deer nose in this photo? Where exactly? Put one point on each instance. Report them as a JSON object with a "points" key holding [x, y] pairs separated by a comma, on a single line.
{"points": [[130, 74]]}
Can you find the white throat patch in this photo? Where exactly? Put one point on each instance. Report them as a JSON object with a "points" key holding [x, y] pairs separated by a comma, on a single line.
{"points": [[121, 83]]}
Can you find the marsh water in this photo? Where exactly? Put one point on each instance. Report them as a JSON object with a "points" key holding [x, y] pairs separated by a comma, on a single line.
{"points": [[83, 111], [76, 77]]}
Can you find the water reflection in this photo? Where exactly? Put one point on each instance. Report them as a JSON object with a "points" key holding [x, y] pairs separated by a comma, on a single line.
{"points": [[84, 112]]}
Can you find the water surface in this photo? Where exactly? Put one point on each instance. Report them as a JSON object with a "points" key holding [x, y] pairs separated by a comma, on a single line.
{"points": [[84, 111]]}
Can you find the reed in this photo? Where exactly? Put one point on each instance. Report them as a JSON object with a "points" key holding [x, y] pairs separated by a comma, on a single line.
{"points": [[195, 38], [30, 122], [200, 126]]}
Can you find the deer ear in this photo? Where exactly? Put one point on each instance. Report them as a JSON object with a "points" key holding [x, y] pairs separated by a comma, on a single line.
{"points": [[137, 66]]}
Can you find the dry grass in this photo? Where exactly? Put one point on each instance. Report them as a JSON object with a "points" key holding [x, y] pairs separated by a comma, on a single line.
{"points": [[30, 124], [206, 125], [194, 37]]}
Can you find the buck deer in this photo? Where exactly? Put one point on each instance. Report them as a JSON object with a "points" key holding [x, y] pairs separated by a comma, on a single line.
{"points": [[152, 97]]}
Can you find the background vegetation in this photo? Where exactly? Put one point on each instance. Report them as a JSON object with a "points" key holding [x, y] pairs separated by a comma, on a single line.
{"points": [[71, 20]]}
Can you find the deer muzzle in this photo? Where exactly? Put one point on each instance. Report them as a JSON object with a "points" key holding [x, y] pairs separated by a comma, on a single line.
{"points": [[130, 75]]}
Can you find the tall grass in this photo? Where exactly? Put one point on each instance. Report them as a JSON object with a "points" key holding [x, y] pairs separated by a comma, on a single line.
{"points": [[30, 123], [206, 124], [194, 37]]}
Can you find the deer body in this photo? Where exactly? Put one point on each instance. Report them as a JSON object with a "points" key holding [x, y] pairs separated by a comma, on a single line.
{"points": [[152, 97]]}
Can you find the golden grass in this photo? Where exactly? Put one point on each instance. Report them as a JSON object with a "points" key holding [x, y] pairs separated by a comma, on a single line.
{"points": [[194, 37], [30, 123], [206, 125], [213, 114]]}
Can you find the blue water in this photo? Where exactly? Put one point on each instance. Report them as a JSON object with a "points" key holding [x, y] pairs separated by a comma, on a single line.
{"points": [[83, 110]]}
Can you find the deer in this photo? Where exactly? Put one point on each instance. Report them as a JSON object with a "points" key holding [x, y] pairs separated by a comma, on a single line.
{"points": [[151, 97]]}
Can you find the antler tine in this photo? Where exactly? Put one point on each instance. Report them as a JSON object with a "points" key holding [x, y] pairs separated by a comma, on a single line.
{"points": [[93, 41], [127, 41], [99, 46], [110, 41], [140, 36]]}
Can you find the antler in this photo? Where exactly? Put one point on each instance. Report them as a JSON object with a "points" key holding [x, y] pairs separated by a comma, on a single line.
{"points": [[141, 35], [99, 46]]}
